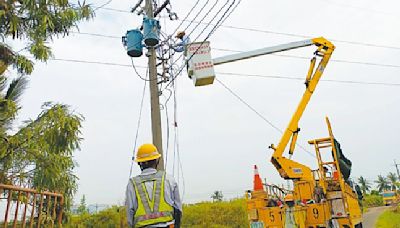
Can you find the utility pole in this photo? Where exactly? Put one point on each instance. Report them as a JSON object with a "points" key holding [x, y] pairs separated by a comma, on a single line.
{"points": [[154, 93], [397, 169]]}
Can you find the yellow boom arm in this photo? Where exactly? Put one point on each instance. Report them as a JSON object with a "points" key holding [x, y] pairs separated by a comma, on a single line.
{"points": [[287, 168]]}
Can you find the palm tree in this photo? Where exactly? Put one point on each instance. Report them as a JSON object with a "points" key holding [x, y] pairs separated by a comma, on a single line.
{"points": [[393, 180], [383, 183], [365, 185], [9, 98], [217, 196], [40, 153]]}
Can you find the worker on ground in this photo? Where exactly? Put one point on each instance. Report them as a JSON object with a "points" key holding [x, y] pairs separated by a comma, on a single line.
{"points": [[152, 198]]}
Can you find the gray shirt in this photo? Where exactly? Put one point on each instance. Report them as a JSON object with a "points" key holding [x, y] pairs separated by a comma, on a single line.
{"points": [[171, 195]]}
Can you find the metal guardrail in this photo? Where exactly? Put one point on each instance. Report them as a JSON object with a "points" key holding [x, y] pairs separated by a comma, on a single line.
{"points": [[44, 203]]}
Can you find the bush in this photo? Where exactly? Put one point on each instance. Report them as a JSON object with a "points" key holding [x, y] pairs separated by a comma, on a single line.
{"points": [[216, 214], [372, 201], [110, 218], [224, 214]]}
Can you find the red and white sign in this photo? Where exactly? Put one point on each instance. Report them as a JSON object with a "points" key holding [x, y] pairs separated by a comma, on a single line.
{"points": [[201, 67]]}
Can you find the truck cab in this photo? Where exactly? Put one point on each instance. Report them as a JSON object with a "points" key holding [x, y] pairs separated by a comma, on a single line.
{"points": [[389, 197]]}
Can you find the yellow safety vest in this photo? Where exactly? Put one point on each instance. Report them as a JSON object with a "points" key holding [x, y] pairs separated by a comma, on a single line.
{"points": [[153, 211]]}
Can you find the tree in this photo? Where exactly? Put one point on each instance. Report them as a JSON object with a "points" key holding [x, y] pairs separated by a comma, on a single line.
{"points": [[217, 196], [383, 183], [365, 185], [36, 22], [39, 154], [82, 209], [392, 178]]}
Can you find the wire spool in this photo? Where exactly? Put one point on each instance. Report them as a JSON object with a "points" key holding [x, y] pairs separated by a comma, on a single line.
{"points": [[134, 45], [151, 30]]}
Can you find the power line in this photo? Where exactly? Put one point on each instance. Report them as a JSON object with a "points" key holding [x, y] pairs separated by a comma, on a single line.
{"points": [[103, 5], [302, 79], [219, 22], [138, 123], [358, 8], [249, 106], [187, 15], [227, 73], [198, 13], [258, 113], [281, 33], [281, 55], [332, 60], [116, 10]]}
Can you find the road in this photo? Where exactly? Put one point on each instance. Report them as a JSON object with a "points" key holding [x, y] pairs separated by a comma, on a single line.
{"points": [[370, 217]]}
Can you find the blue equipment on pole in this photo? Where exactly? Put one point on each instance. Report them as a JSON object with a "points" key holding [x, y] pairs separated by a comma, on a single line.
{"points": [[133, 42], [151, 31]]}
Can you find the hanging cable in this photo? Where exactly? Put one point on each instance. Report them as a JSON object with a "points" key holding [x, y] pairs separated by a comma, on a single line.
{"points": [[138, 122], [258, 113], [137, 73], [168, 128], [177, 153]]}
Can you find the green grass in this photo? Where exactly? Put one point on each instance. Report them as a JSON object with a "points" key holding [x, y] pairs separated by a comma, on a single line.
{"points": [[224, 214], [389, 219]]}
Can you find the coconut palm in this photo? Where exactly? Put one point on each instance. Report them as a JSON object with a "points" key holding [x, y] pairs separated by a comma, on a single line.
{"points": [[217, 196], [392, 178], [365, 185], [383, 183]]}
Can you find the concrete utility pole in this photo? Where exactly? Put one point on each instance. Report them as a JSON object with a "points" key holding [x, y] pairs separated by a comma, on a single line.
{"points": [[154, 93], [397, 169]]}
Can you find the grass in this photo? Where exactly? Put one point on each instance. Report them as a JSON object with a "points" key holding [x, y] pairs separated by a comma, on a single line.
{"points": [[224, 214], [389, 219]]}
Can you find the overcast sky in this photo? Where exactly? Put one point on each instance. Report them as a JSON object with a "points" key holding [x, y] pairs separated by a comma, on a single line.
{"points": [[220, 138]]}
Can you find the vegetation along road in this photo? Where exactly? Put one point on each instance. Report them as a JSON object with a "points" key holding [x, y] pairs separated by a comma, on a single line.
{"points": [[370, 217]]}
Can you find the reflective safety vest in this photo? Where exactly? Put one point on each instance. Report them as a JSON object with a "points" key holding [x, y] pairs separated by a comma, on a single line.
{"points": [[152, 210]]}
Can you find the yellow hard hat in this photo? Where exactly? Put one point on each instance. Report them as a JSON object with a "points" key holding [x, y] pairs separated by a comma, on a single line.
{"points": [[180, 34], [288, 197], [147, 152]]}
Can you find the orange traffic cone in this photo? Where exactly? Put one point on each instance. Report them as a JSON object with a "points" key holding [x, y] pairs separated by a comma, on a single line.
{"points": [[258, 186]]}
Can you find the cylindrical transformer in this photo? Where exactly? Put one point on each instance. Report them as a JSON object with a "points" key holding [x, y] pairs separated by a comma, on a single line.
{"points": [[134, 44], [151, 31]]}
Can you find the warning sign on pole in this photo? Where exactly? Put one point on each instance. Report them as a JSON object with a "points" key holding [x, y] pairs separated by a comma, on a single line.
{"points": [[201, 67]]}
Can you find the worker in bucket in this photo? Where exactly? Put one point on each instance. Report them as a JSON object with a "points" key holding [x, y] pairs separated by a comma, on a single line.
{"points": [[181, 47], [152, 197], [184, 40]]}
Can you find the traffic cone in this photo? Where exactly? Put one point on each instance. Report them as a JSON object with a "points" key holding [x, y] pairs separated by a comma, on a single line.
{"points": [[258, 186]]}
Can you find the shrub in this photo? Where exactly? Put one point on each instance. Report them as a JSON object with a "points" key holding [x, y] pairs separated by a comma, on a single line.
{"points": [[216, 214], [372, 201], [110, 218], [224, 214]]}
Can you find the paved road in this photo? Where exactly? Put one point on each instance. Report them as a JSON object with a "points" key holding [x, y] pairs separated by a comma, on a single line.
{"points": [[370, 217]]}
